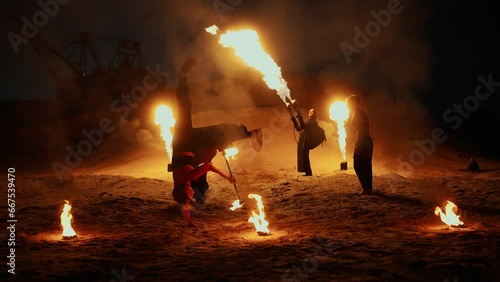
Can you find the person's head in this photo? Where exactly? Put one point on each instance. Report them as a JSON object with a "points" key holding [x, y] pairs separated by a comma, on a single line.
{"points": [[353, 102], [312, 113]]}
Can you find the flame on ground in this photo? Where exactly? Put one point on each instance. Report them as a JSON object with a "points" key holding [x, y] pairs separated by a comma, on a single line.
{"points": [[259, 220], [449, 216], [340, 113], [66, 219], [246, 45], [164, 117], [236, 205]]}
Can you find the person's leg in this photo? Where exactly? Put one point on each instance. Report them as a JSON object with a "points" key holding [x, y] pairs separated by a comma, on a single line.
{"points": [[358, 168], [200, 187], [220, 136], [307, 163], [300, 159], [368, 164], [182, 139], [362, 167]]}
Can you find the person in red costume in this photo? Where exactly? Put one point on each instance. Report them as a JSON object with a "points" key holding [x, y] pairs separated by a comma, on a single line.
{"points": [[185, 166]]}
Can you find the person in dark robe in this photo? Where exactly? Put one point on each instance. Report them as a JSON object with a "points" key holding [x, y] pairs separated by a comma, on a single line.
{"points": [[303, 146], [363, 149], [473, 165]]}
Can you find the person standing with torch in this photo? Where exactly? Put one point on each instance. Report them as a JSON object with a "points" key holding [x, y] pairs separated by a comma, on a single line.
{"points": [[311, 135], [363, 150]]}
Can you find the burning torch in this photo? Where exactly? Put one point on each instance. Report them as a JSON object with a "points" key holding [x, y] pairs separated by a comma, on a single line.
{"points": [[231, 152], [293, 103]]}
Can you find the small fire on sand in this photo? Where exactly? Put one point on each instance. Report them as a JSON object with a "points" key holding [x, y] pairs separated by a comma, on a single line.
{"points": [[340, 113], [165, 119], [259, 219], [449, 216], [66, 219]]}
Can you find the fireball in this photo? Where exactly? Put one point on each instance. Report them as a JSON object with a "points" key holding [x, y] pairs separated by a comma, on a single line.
{"points": [[449, 216], [340, 113], [66, 219]]}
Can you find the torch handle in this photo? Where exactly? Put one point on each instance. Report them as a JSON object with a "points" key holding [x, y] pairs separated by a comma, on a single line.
{"points": [[297, 110], [231, 174]]}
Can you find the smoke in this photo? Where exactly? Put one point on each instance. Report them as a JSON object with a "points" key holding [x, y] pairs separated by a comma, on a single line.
{"points": [[134, 131], [304, 39]]}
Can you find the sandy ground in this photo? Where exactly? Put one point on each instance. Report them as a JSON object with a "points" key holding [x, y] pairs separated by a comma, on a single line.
{"points": [[129, 228]]}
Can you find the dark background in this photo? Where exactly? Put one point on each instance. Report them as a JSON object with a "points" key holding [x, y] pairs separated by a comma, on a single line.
{"points": [[463, 39]]}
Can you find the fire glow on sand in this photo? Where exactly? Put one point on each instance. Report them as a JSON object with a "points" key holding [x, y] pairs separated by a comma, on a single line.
{"points": [[340, 113], [164, 117], [449, 216], [66, 219]]}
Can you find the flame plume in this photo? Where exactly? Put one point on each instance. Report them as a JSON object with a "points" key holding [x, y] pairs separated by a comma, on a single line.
{"points": [[259, 220], [340, 113], [165, 119], [66, 218], [449, 216], [246, 45]]}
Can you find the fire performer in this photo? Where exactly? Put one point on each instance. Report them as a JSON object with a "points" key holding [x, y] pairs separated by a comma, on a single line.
{"points": [[363, 150], [311, 135], [194, 148], [184, 167]]}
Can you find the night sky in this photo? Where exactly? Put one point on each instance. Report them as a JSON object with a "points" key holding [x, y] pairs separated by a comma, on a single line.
{"points": [[443, 46]]}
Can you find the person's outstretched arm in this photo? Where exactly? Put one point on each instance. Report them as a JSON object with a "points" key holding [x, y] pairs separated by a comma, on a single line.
{"points": [[204, 168], [295, 123]]}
